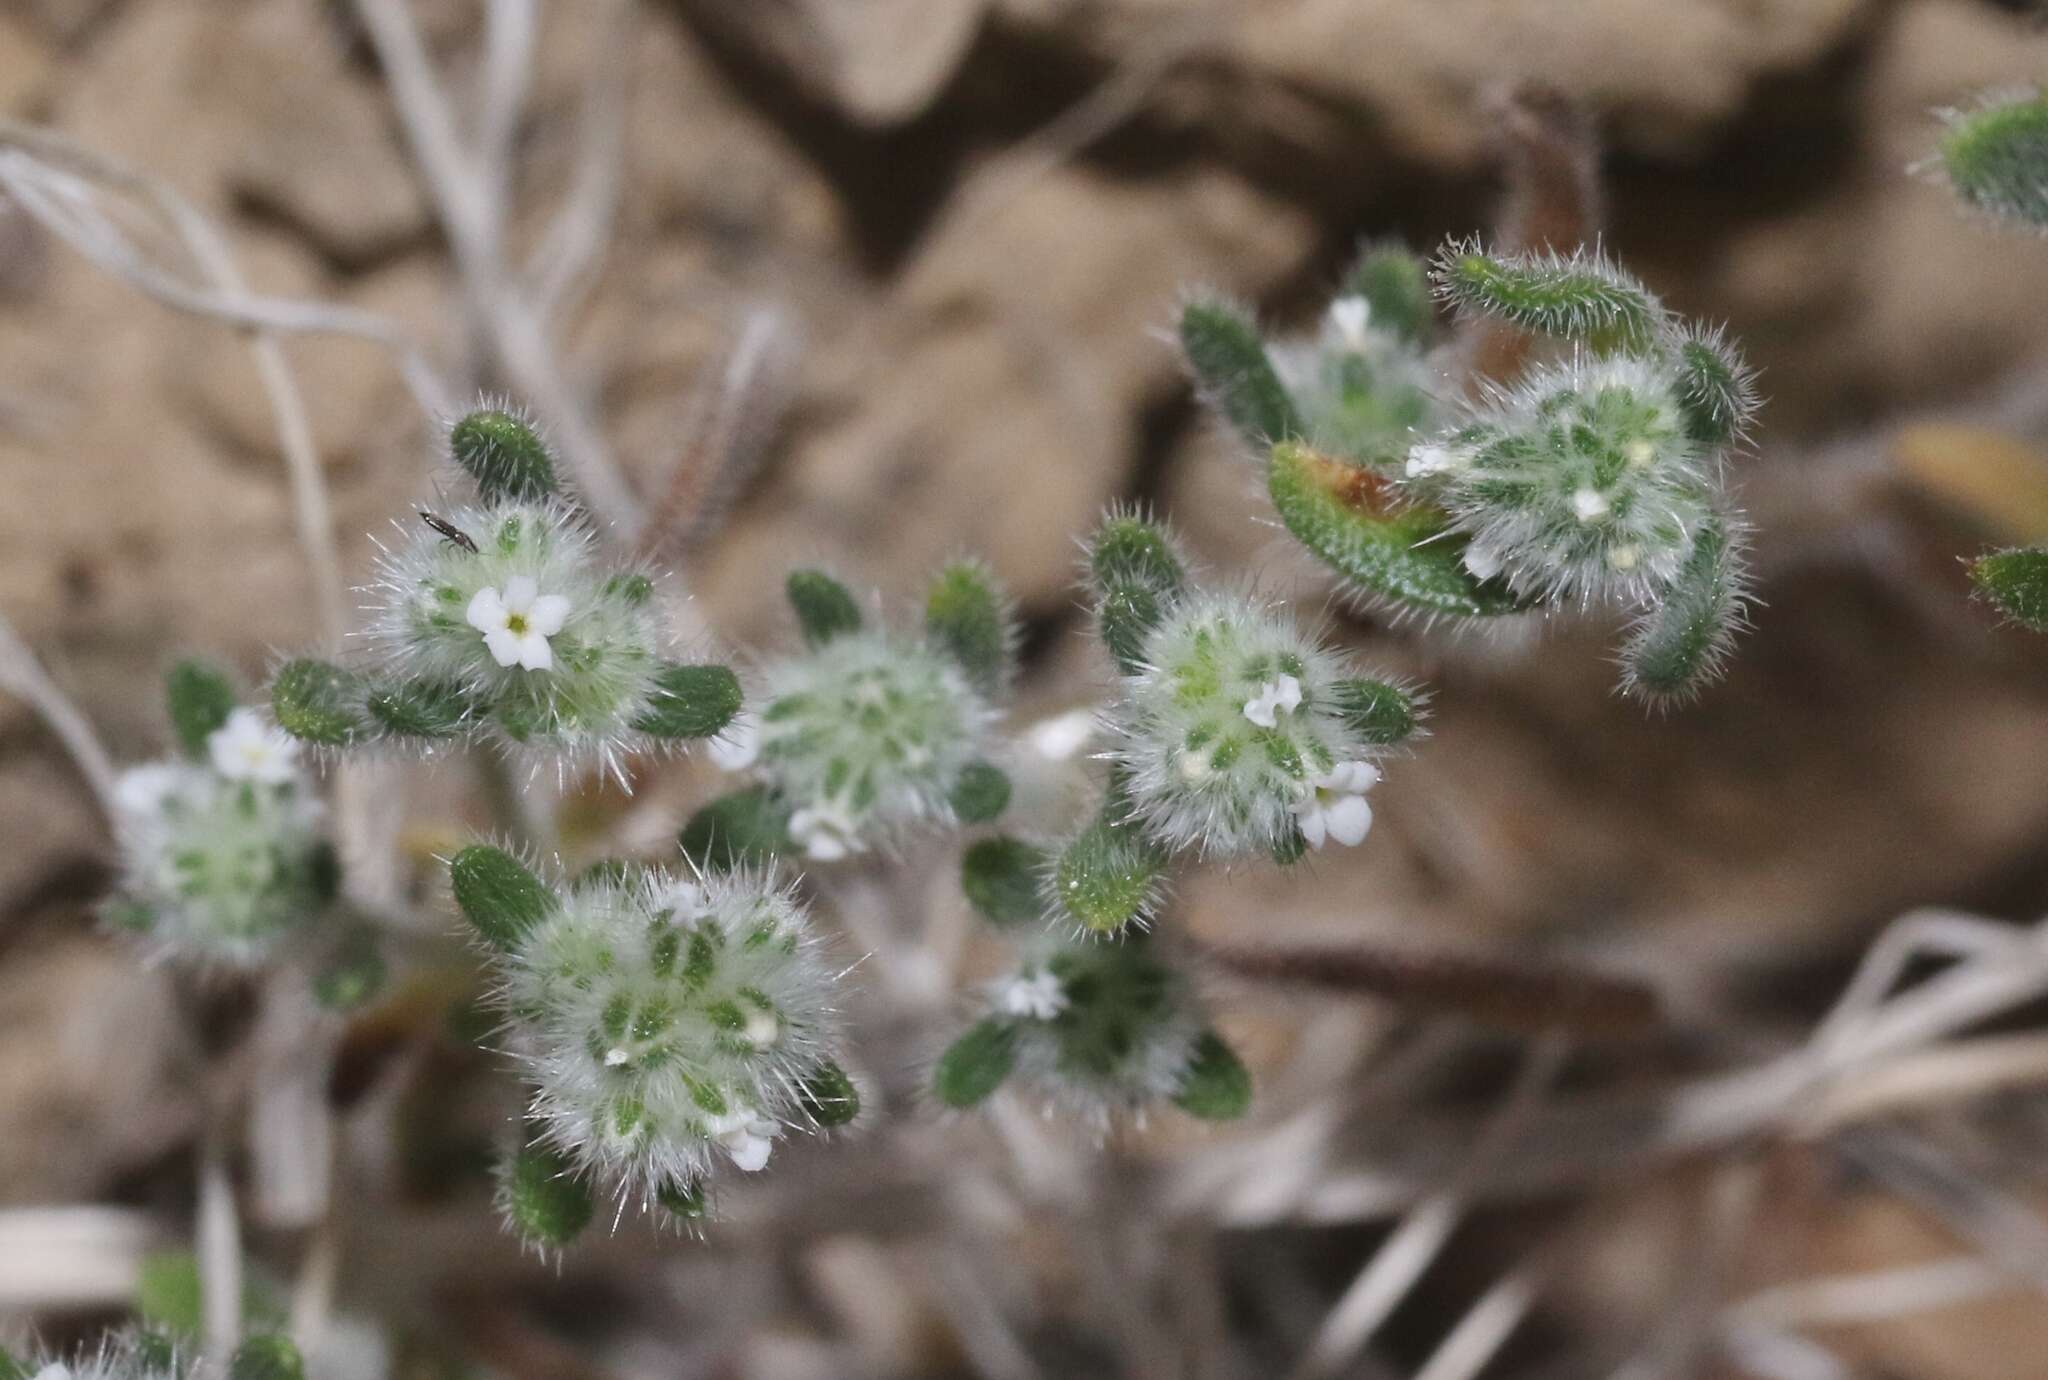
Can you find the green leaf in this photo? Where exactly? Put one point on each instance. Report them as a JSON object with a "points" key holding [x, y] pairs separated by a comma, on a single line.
{"points": [[420, 708], [1996, 156], [1223, 348], [1215, 1086], [201, 698], [982, 793], [543, 1198], [1108, 877], [2015, 581], [318, 702], [999, 877], [824, 607], [691, 701], [1130, 550], [167, 1292], [1136, 574], [1715, 388], [829, 1096], [976, 1064], [1291, 848], [686, 1201], [267, 1357], [1395, 284], [749, 826], [964, 614], [1681, 645], [1383, 713], [1580, 297], [353, 974], [1405, 554], [498, 895], [504, 454]]}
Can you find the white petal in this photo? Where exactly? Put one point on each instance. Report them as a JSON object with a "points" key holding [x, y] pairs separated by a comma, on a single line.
{"points": [[1589, 504], [1063, 735], [749, 1152], [1349, 818], [824, 846], [1350, 778], [143, 790], [1483, 562], [1313, 826], [504, 645], [486, 611], [519, 593], [1349, 315], [534, 653], [1288, 693], [1259, 709], [548, 614]]}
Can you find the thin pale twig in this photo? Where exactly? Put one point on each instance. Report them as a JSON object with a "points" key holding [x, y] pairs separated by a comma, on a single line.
{"points": [[574, 244], [1393, 1270], [31, 174], [218, 1246], [516, 332], [22, 675]]}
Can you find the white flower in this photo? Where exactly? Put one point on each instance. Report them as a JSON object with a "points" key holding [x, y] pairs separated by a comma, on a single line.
{"points": [[1036, 995], [142, 791], [245, 748], [747, 1136], [517, 624], [56, 1370], [1275, 695], [739, 744], [685, 899], [1058, 738], [1333, 806], [763, 1028], [1482, 561], [825, 831], [1431, 458], [1590, 504], [1350, 315]]}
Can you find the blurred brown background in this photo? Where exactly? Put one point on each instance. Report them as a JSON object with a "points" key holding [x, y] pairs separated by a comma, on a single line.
{"points": [[975, 217]]}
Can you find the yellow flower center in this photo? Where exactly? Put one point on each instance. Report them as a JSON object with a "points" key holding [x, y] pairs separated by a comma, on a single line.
{"points": [[516, 623]]}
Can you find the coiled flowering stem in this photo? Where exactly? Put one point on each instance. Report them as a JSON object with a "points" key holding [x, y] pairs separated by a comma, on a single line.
{"points": [[869, 733], [503, 622], [668, 1025], [1596, 478], [1233, 735]]}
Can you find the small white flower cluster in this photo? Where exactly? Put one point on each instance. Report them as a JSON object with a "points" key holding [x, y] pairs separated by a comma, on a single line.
{"points": [[1582, 482], [667, 1023], [863, 737], [1230, 736], [221, 860], [1097, 1029], [519, 621], [1360, 387]]}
